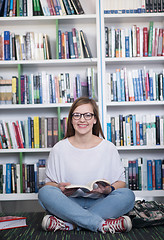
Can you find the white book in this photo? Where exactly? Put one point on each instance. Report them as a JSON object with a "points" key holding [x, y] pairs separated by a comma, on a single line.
{"points": [[41, 50], [113, 41], [123, 42], [45, 8], [144, 174], [161, 130], [126, 85], [130, 42], [6, 134], [29, 8], [32, 42], [128, 132], [26, 133], [36, 44], [18, 177], [148, 130], [62, 7], [154, 86], [117, 127], [125, 165], [44, 87], [81, 47], [130, 86], [108, 87], [134, 32], [15, 145]]}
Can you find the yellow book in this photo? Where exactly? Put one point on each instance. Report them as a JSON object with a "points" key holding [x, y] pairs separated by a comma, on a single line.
{"points": [[36, 132]]}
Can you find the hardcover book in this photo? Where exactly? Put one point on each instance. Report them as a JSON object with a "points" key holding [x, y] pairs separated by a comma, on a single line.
{"points": [[9, 222]]}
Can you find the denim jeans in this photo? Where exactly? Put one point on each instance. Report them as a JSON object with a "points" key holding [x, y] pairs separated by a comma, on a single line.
{"points": [[86, 213]]}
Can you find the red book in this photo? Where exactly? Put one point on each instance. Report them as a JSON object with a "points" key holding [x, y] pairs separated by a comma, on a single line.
{"points": [[138, 41], [153, 173], [163, 43], [9, 222], [137, 132], [145, 41], [16, 134], [50, 7], [14, 8], [155, 44]]}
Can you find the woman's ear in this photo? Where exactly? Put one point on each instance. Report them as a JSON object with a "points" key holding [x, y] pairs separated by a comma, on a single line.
{"points": [[95, 121]]}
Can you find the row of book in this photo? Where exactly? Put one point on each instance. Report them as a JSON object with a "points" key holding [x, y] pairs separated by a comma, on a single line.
{"points": [[133, 6], [47, 88], [36, 46], [30, 46], [136, 130], [134, 41], [36, 132], [73, 44], [144, 174], [135, 85], [13, 8], [27, 180]]}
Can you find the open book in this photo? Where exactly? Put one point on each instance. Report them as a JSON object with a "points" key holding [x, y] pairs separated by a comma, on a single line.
{"points": [[90, 186]]}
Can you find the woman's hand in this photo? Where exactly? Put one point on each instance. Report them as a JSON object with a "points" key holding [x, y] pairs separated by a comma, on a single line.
{"points": [[67, 192], [102, 189]]}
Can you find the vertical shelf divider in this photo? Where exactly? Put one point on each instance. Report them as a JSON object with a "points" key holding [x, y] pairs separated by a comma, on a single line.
{"points": [[19, 83], [59, 124], [21, 171]]}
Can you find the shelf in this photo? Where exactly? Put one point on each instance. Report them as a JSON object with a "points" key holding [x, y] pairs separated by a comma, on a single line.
{"points": [[47, 19], [135, 60], [131, 148], [135, 103], [27, 150], [34, 196], [138, 17], [20, 196], [51, 62], [27, 106], [152, 193]]}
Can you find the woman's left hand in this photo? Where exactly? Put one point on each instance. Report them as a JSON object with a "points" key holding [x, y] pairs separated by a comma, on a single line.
{"points": [[102, 189]]}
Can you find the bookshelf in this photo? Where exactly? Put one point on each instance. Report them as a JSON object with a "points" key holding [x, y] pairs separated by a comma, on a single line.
{"points": [[114, 108], [89, 23], [92, 22]]}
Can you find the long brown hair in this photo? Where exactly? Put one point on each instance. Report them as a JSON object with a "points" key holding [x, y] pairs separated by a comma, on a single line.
{"points": [[97, 130]]}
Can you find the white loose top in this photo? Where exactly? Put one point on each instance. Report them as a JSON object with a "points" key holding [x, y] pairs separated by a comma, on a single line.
{"points": [[67, 163]]}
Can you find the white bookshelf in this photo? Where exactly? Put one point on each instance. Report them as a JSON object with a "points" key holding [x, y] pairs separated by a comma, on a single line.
{"points": [[89, 23], [109, 65]]}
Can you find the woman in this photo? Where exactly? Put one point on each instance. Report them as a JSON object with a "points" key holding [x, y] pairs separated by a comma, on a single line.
{"points": [[80, 158]]}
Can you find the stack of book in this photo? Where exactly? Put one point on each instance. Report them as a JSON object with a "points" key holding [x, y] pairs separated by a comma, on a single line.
{"points": [[134, 41], [135, 85], [136, 130], [144, 174]]}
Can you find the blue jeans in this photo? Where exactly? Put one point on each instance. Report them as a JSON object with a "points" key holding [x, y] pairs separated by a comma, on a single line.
{"points": [[87, 213]]}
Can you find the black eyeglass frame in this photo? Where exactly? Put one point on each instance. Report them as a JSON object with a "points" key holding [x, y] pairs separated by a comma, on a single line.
{"points": [[84, 115]]}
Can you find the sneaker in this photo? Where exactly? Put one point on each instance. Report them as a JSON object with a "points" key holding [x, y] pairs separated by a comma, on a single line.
{"points": [[51, 223], [121, 224]]}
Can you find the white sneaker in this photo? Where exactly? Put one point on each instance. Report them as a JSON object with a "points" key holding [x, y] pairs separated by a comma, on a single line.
{"points": [[51, 223], [121, 224]]}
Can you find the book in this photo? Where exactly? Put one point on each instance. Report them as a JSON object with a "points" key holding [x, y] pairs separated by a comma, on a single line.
{"points": [[89, 186], [9, 222]]}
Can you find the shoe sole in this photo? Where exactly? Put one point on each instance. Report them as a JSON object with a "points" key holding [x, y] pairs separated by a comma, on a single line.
{"points": [[129, 223], [44, 222]]}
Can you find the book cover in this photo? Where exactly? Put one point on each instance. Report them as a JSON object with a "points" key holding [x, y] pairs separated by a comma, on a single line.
{"points": [[7, 45], [149, 175], [86, 48], [158, 174], [9, 222]]}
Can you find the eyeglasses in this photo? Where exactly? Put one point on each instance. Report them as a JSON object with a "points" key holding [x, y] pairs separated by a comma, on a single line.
{"points": [[87, 116]]}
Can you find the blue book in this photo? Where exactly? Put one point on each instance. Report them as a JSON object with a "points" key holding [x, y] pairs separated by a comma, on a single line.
{"points": [[127, 54], [151, 87], [135, 86], [141, 133], [158, 174], [29, 132], [8, 178], [5, 8], [118, 78], [6, 45], [53, 90], [134, 129], [122, 86], [78, 86], [60, 44], [144, 174], [71, 45], [114, 87], [149, 175], [140, 84], [109, 136], [68, 10]]}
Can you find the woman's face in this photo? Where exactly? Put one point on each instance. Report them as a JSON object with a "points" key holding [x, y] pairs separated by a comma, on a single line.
{"points": [[83, 124]]}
